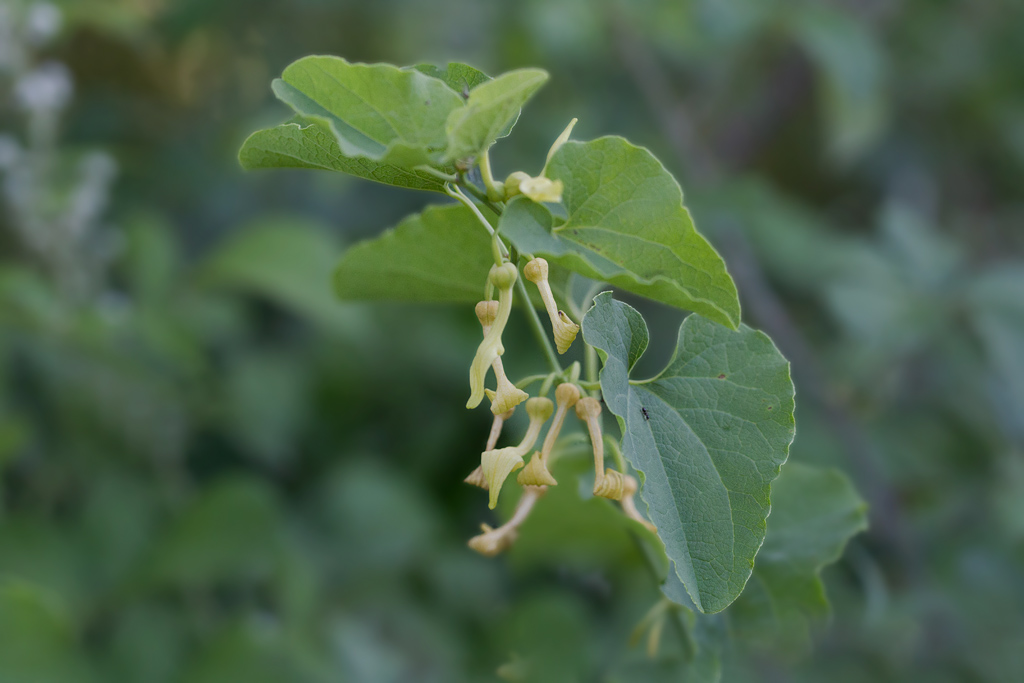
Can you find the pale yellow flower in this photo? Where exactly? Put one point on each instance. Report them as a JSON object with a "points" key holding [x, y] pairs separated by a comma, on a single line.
{"points": [[563, 329], [493, 541], [536, 472], [503, 278], [539, 189], [498, 463]]}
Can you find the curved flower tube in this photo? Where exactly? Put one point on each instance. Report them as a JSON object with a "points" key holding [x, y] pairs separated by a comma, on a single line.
{"points": [[607, 482], [536, 472], [507, 396], [493, 541], [502, 277], [564, 329], [497, 464]]}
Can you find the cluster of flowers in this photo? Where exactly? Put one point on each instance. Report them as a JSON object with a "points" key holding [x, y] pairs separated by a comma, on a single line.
{"points": [[496, 464]]}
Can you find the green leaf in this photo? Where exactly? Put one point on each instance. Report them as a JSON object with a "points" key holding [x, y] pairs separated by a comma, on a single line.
{"points": [[245, 651], [305, 143], [456, 75], [852, 69], [376, 111], [491, 111], [717, 428], [440, 255], [231, 532], [814, 513], [627, 225], [286, 260], [37, 640]]}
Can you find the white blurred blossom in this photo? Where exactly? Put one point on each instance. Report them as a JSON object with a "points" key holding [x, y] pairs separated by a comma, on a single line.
{"points": [[42, 22], [10, 152], [45, 89]]}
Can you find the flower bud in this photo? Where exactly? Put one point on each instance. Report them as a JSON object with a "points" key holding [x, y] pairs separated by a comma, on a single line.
{"points": [[563, 329], [487, 313], [503, 276]]}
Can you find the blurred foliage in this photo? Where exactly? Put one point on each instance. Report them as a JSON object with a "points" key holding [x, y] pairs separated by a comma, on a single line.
{"points": [[211, 472]]}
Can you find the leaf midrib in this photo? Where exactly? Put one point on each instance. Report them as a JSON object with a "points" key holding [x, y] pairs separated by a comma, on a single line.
{"points": [[675, 501]]}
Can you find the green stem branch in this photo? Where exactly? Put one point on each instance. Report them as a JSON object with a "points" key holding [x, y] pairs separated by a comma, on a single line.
{"points": [[493, 193]]}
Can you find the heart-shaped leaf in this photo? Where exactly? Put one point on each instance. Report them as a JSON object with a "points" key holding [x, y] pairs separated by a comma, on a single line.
{"points": [[491, 111], [377, 111], [627, 225], [305, 143], [708, 434], [442, 254], [814, 513]]}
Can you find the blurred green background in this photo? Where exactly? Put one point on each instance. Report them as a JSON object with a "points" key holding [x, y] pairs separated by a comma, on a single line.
{"points": [[212, 472]]}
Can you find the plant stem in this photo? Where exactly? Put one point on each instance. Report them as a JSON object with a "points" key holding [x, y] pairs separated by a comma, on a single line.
{"points": [[678, 625], [493, 193], [527, 381], [475, 191], [455, 193], [531, 312]]}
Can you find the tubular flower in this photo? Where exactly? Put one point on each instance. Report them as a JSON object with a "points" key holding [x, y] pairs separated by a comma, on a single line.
{"points": [[476, 477], [607, 483], [536, 472], [507, 396], [539, 189], [503, 277], [564, 329], [497, 464], [493, 541]]}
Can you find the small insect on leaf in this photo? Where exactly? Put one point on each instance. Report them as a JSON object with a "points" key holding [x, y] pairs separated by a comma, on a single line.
{"points": [[644, 411]]}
